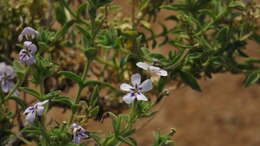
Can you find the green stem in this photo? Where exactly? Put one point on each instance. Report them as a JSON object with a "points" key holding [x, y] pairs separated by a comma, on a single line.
{"points": [[76, 101], [42, 90], [132, 116], [43, 129], [86, 68], [21, 138], [183, 56], [72, 12]]}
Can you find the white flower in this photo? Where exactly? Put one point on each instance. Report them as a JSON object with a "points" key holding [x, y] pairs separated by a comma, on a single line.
{"points": [[26, 55], [156, 70], [29, 33], [7, 74], [30, 47], [78, 133], [136, 91], [33, 111]]}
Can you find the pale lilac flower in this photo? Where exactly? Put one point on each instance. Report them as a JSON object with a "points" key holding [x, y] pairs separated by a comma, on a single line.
{"points": [[26, 55], [156, 70], [30, 47], [78, 133], [35, 110], [137, 89], [7, 74], [28, 33]]}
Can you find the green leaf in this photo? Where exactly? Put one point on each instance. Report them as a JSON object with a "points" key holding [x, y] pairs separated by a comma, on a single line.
{"points": [[251, 79], [162, 82], [189, 80], [63, 99], [97, 83], [52, 94], [32, 92], [173, 18], [72, 76], [115, 122], [126, 141], [162, 140], [60, 14], [90, 53], [123, 61], [145, 51], [175, 7], [32, 130], [94, 111], [94, 97], [81, 8], [19, 69], [256, 37], [128, 132], [149, 114], [64, 29], [157, 56]]}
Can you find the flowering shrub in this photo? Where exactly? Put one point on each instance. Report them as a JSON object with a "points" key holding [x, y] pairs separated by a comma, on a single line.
{"points": [[61, 43]]}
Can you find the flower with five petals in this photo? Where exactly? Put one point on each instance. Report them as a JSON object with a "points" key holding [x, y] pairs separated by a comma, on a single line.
{"points": [[137, 89]]}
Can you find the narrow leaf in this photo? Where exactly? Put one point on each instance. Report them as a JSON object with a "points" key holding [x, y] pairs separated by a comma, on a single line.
{"points": [[72, 76], [189, 80], [251, 79], [32, 92]]}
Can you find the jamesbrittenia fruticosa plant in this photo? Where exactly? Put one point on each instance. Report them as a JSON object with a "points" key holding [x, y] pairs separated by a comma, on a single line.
{"points": [[90, 44]]}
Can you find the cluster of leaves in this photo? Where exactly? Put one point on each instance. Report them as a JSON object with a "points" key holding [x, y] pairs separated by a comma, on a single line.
{"points": [[210, 36], [215, 34]]}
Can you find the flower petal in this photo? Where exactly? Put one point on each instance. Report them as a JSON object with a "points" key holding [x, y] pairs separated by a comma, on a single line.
{"points": [[162, 72], [16, 93], [142, 65], [28, 110], [30, 117], [146, 85], [83, 135], [140, 96], [153, 68], [20, 37], [30, 47], [28, 33], [39, 110], [9, 71], [74, 125], [42, 103], [136, 79], [129, 98], [76, 139], [26, 57], [7, 85], [126, 87]]}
